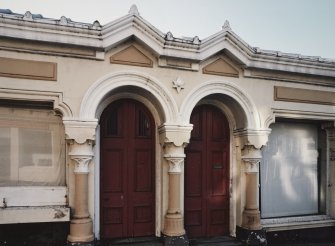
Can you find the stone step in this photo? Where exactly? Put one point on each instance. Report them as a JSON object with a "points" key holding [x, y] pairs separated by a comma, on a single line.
{"points": [[154, 241], [215, 241], [140, 241]]}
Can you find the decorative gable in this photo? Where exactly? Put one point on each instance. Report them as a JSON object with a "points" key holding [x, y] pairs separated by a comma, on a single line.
{"points": [[131, 56], [221, 67]]}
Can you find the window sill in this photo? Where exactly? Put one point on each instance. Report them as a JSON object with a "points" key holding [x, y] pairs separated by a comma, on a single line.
{"points": [[301, 222], [28, 196], [13, 215]]}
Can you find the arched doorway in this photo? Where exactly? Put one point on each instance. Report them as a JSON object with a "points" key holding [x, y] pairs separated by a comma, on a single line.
{"points": [[207, 174], [127, 180]]}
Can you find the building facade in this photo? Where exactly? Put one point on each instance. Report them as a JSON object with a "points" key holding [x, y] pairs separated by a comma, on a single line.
{"points": [[125, 131]]}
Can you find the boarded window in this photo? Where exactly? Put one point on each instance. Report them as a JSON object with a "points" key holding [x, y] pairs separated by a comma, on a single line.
{"points": [[32, 148], [289, 171]]}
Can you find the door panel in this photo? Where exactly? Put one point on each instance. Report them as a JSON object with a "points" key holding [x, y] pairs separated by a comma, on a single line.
{"points": [[207, 174], [127, 171]]}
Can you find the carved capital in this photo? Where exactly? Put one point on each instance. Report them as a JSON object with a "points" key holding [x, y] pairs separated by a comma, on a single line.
{"points": [[175, 164], [251, 157], [252, 137], [82, 154], [176, 134], [81, 163], [79, 131], [251, 165]]}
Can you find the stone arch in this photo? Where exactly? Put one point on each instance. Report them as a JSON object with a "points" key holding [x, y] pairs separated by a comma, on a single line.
{"points": [[242, 107], [133, 82]]}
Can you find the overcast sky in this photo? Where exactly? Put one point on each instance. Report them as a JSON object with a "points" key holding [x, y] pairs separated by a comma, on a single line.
{"points": [[296, 26]]}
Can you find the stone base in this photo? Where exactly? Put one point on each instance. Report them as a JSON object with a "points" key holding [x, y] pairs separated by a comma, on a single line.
{"points": [[81, 244], [251, 237], [174, 225], [176, 240], [81, 231]]}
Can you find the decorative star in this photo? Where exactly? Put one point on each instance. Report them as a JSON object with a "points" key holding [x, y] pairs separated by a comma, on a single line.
{"points": [[178, 84]]}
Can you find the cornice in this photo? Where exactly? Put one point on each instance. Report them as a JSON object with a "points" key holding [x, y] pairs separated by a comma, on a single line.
{"points": [[67, 32]]}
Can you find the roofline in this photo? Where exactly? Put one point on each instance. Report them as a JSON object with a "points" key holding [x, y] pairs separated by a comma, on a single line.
{"points": [[67, 32]]}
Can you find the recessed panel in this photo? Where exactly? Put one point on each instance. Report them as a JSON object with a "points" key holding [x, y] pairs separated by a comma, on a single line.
{"points": [[112, 215], [193, 179], [142, 172], [193, 218], [218, 216], [113, 169], [142, 214]]}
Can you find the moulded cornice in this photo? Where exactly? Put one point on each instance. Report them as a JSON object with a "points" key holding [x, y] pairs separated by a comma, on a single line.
{"points": [[50, 30], [66, 31], [43, 96]]}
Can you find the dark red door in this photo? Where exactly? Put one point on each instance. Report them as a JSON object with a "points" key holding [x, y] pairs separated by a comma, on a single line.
{"points": [[127, 185], [207, 174]]}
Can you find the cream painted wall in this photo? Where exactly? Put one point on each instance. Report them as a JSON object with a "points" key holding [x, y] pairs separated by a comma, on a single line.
{"points": [[75, 76]]}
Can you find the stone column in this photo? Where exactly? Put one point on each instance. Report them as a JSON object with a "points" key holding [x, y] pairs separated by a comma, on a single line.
{"points": [[174, 138], [81, 227], [251, 158], [251, 232], [174, 222]]}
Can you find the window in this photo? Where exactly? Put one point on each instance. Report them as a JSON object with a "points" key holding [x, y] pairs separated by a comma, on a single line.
{"points": [[290, 172], [32, 148]]}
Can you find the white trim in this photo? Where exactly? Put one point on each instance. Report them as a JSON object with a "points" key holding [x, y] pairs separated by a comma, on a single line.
{"points": [[15, 215], [44, 96], [301, 222], [104, 86], [225, 88], [96, 178], [33, 196]]}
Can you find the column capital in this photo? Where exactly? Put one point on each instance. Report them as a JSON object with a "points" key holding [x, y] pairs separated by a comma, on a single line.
{"points": [[81, 165], [179, 135], [82, 154], [251, 157], [80, 131], [175, 163], [255, 137]]}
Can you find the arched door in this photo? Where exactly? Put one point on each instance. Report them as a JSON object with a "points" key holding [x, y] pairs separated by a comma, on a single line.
{"points": [[207, 174], [127, 184]]}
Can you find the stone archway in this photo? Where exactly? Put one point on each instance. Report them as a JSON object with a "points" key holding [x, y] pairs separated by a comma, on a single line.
{"points": [[247, 139], [151, 93]]}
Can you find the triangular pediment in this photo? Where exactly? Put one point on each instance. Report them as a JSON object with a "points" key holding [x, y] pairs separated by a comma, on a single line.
{"points": [[221, 67], [131, 56]]}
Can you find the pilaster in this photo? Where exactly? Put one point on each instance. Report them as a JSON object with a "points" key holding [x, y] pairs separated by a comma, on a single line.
{"points": [[174, 139], [80, 137], [330, 130], [251, 232]]}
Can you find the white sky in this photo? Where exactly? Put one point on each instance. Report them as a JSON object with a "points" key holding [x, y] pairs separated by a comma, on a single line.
{"points": [[296, 26]]}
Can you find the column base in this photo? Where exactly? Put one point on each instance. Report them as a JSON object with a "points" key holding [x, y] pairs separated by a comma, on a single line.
{"points": [[251, 219], [176, 240], [81, 231], [251, 237], [174, 225], [80, 244]]}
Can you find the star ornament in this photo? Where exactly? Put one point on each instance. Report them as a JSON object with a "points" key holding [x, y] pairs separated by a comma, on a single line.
{"points": [[178, 84]]}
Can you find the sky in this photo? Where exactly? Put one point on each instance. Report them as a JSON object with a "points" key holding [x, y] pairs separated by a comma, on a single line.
{"points": [[305, 27]]}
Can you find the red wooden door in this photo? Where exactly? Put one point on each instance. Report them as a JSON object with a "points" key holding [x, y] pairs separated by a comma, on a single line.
{"points": [[127, 199], [207, 174]]}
